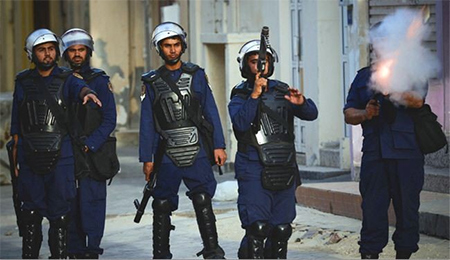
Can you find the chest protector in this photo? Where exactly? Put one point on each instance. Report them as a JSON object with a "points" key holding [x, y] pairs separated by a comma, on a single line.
{"points": [[42, 135], [171, 118], [272, 136]]}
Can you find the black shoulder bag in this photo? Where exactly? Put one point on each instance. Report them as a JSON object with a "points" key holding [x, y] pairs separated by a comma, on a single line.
{"points": [[429, 134]]}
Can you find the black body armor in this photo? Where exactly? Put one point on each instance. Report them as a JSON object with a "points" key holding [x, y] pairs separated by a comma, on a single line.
{"points": [[171, 117], [272, 136], [42, 134]]}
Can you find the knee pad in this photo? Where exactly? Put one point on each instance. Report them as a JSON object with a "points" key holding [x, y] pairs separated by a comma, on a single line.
{"points": [[259, 229], [161, 206], [282, 232], [201, 199]]}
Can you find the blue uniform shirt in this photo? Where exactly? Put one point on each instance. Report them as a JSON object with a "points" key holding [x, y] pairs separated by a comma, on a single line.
{"points": [[243, 112], [382, 140], [149, 138], [71, 93], [101, 86]]}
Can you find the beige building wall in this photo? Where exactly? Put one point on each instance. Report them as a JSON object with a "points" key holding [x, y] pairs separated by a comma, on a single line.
{"points": [[16, 22], [119, 42], [321, 27]]}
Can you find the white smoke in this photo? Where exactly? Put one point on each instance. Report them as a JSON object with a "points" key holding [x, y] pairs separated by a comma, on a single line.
{"points": [[402, 63]]}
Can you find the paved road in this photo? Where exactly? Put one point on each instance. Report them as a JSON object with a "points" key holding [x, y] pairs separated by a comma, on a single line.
{"points": [[316, 234]]}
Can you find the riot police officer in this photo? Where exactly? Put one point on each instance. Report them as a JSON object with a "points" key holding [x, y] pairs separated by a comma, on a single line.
{"points": [[89, 208], [43, 150], [262, 111], [170, 140], [392, 167]]}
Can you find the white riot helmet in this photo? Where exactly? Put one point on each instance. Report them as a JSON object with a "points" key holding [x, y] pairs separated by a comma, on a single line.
{"points": [[41, 36], [168, 30], [76, 36], [253, 47]]}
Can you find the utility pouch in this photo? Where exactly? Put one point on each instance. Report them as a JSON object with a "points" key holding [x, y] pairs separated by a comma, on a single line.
{"points": [[277, 178]]}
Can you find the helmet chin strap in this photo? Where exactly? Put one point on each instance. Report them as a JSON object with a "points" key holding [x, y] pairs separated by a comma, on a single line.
{"points": [[45, 66], [77, 66], [172, 62]]}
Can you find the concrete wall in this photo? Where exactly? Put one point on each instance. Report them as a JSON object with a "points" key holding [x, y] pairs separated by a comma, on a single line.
{"points": [[322, 75], [119, 35]]}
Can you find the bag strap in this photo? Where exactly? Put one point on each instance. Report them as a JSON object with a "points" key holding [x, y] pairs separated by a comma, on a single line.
{"points": [[203, 124]]}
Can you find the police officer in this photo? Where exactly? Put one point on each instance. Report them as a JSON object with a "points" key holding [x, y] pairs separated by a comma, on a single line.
{"points": [[89, 208], [43, 149], [392, 167], [262, 112], [168, 127]]}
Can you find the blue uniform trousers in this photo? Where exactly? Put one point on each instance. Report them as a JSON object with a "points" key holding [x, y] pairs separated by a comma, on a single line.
{"points": [[258, 204], [50, 194], [381, 181], [198, 178], [87, 217]]}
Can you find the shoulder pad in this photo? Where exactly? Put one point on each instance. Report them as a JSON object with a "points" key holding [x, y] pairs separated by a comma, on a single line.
{"points": [[150, 76], [241, 85], [241, 90], [94, 73], [189, 67], [65, 72], [23, 74], [280, 86], [98, 71]]}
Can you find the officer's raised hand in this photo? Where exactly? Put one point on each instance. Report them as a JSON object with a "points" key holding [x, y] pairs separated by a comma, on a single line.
{"points": [[147, 169], [87, 94], [220, 156], [259, 86], [295, 97], [93, 98], [410, 99]]}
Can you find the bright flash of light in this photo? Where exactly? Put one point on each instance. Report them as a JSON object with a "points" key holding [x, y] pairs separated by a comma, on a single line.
{"points": [[384, 75], [385, 69]]}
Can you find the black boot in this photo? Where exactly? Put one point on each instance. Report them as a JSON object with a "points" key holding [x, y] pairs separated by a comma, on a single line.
{"points": [[243, 253], [206, 221], [76, 256], [161, 229], [31, 234], [83, 256], [90, 256], [256, 234], [403, 255], [369, 256], [279, 241], [57, 237]]}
